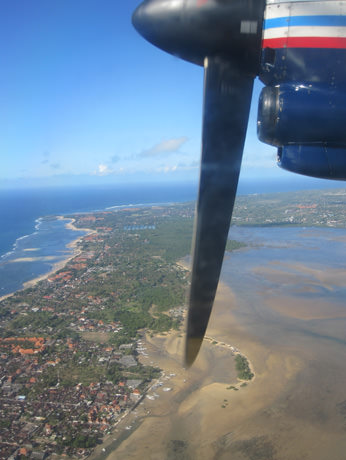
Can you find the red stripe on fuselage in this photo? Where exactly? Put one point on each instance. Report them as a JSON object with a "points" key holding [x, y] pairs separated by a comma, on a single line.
{"points": [[305, 42], [201, 2]]}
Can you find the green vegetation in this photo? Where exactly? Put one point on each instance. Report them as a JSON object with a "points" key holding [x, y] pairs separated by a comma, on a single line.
{"points": [[232, 387], [225, 404], [144, 372], [233, 245], [37, 321], [162, 297], [172, 238], [242, 367], [114, 373], [5, 423], [79, 440]]}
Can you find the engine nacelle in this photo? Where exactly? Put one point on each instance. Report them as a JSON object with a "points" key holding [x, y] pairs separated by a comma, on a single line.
{"points": [[302, 109], [307, 124], [317, 160], [295, 113]]}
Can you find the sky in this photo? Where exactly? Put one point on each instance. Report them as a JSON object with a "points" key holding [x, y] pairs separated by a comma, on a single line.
{"points": [[84, 99]]}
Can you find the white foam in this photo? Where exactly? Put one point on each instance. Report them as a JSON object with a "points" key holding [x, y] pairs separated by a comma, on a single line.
{"points": [[139, 205]]}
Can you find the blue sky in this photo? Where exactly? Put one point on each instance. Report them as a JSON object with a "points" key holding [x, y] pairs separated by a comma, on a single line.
{"points": [[84, 99]]}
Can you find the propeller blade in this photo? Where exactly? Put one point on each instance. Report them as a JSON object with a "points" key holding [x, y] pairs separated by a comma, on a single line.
{"points": [[227, 98]]}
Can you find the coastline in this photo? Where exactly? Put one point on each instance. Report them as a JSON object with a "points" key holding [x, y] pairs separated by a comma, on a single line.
{"points": [[70, 225], [211, 382], [290, 407], [175, 409], [207, 402], [166, 352], [73, 245], [175, 384], [293, 409]]}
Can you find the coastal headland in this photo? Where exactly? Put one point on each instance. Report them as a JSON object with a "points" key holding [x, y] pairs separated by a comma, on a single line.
{"points": [[107, 321]]}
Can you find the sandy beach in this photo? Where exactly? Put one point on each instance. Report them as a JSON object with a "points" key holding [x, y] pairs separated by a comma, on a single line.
{"points": [[70, 225]]}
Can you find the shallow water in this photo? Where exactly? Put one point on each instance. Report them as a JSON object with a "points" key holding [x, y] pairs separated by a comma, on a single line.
{"points": [[288, 261], [286, 312]]}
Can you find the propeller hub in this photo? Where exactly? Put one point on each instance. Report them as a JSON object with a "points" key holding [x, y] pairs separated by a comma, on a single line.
{"points": [[195, 29]]}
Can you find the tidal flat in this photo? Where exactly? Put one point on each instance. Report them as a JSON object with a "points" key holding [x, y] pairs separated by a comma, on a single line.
{"points": [[282, 303]]}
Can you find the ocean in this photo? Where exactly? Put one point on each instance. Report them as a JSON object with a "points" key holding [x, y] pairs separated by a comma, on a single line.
{"points": [[30, 246], [21, 209]]}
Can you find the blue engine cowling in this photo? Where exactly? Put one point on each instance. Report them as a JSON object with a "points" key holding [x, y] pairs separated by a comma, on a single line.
{"points": [[302, 109], [306, 121]]}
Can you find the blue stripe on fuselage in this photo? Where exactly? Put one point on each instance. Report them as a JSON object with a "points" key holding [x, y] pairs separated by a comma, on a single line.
{"points": [[331, 21]]}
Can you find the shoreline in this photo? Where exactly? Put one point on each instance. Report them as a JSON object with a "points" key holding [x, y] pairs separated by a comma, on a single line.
{"points": [[73, 245], [187, 394], [165, 351], [295, 405], [70, 225], [130, 418], [133, 419], [222, 286], [235, 352], [207, 408]]}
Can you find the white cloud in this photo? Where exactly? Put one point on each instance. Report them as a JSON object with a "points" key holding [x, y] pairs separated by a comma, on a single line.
{"points": [[167, 169], [178, 167], [103, 170], [264, 162], [164, 147], [189, 167], [163, 167], [258, 155]]}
